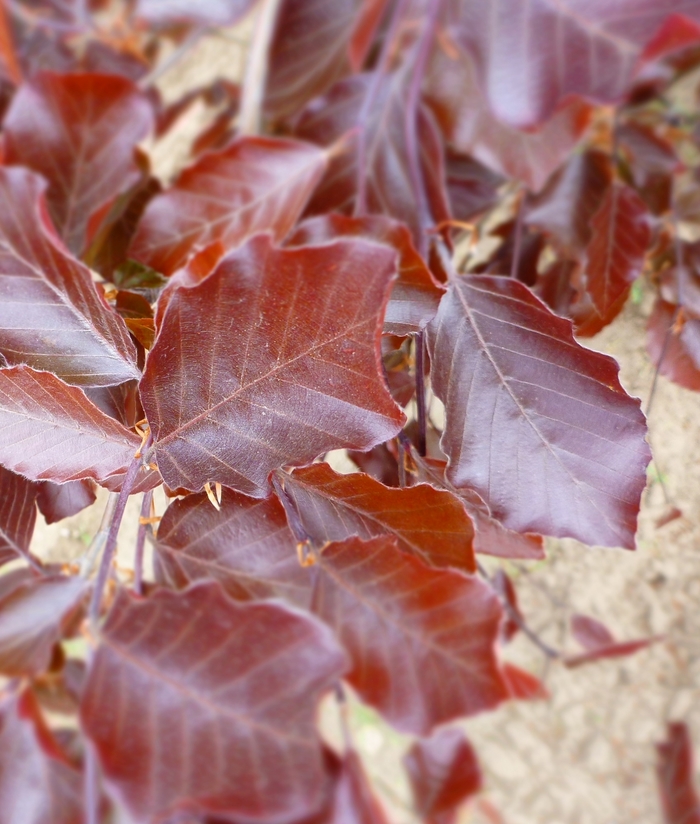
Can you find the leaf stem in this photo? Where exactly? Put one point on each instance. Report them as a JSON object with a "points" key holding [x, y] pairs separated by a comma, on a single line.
{"points": [[141, 541], [111, 543], [91, 791], [420, 394], [518, 238], [255, 80], [98, 542]]}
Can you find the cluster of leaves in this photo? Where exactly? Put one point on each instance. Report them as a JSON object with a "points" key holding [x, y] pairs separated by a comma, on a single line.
{"points": [[402, 201]]}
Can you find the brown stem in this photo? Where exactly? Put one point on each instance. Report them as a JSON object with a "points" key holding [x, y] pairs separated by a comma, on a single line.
{"points": [[144, 528]]}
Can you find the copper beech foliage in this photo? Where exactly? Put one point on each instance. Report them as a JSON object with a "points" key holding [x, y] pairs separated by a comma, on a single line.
{"points": [[391, 236]]}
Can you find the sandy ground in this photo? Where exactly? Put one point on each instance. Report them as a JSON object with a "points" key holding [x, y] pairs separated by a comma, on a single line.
{"points": [[587, 755]]}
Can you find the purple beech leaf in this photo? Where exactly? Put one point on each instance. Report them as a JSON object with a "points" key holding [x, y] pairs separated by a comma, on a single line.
{"points": [[416, 294], [37, 784], [230, 686], [33, 616], [599, 643], [421, 640], [471, 127], [527, 408], [17, 515], [353, 800], [386, 168], [428, 523], [309, 52], [79, 131], [59, 501], [257, 184], [286, 368], [51, 315], [443, 771], [674, 347], [676, 776], [247, 546], [533, 54], [50, 431]]}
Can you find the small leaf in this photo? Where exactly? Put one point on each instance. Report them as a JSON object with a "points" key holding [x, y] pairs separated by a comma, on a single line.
{"points": [[246, 546], [17, 515], [675, 775], [50, 431], [286, 369], [255, 185], [428, 523], [421, 640], [674, 347], [44, 290], [233, 686], [79, 131], [443, 771], [599, 642], [527, 408], [59, 501]]}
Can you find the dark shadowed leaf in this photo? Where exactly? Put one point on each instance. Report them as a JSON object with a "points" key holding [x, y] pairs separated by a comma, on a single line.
{"points": [[367, 22], [50, 431], [471, 187], [33, 616], [17, 515], [44, 291], [309, 52], [674, 345], [202, 13], [582, 48], [651, 161], [443, 771], [247, 546], [619, 241], [527, 408], [385, 163], [379, 462], [78, 131], [513, 618], [285, 369], [37, 784], [599, 642], [429, 523], [59, 501], [421, 640], [230, 686], [416, 294], [675, 775], [471, 127], [255, 185]]}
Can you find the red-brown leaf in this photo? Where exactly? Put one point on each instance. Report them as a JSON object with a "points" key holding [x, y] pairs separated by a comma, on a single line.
{"points": [[429, 523], [216, 683], [527, 408], [50, 431], [674, 348], [59, 501], [255, 185], [17, 515], [675, 775], [443, 771], [37, 785], [44, 291], [247, 546], [599, 642], [33, 615], [421, 640], [286, 368], [79, 131], [415, 296]]}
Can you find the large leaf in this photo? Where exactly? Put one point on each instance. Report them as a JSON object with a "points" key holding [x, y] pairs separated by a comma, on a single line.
{"points": [[44, 291], [415, 296], [255, 185], [675, 774], [50, 431], [246, 545], [79, 131], [431, 524], [532, 54], [443, 771], [17, 515], [421, 640], [230, 686], [383, 168], [286, 368], [32, 617], [37, 784], [309, 52], [527, 408], [471, 127]]}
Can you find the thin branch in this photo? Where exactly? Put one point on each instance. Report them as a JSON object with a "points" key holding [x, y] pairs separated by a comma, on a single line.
{"points": [[174, 58], [255, 80], [517, 240], [97, 544], [144, 528], [420, 394], [91, 787]]}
